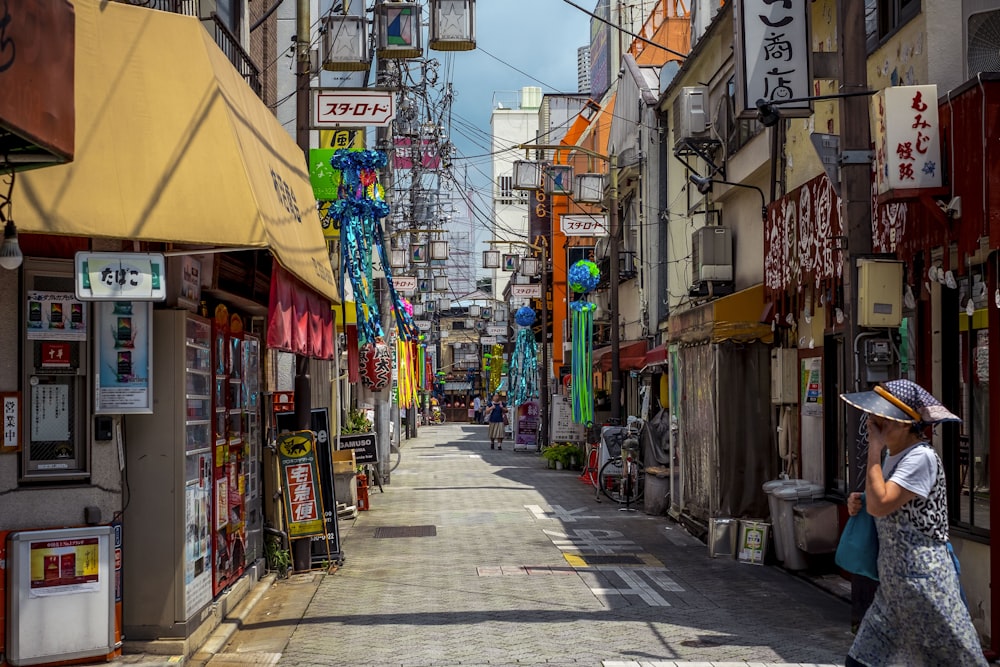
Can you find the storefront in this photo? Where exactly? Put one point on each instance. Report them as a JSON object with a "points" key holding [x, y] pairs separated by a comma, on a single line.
{"points": [[143, 415]]}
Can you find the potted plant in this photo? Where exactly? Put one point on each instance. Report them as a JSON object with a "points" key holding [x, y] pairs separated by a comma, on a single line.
{"points": [[562, 455]]}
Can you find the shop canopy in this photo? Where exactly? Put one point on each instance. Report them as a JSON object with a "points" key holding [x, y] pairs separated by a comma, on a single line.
{"points": [[172, 145], [631, 356]]}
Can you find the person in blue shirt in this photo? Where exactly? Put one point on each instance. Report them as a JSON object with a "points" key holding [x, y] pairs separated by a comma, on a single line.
{"points": [[496, 413]]}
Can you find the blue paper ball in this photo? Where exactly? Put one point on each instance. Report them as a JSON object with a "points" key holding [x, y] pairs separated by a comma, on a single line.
{"points": [[525, 316], [583, 276]]}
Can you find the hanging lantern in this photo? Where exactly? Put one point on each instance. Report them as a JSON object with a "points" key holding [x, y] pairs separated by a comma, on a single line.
{"points": [[500, 315], [589, 188], [559, 179], [418, 309], [453, 25], [430, 307], [397, 258], [491, 259], [439, 249], [424, 285], [398, 30], [487, 313], [530, 266], [345, 43], [510, 262], [444, 304], [474, 310], [440, 283], [418, 252], [376, 365], [527, 175]]}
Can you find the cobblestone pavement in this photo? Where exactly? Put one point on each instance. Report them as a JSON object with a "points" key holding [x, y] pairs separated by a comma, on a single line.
{"points": [[480, 557]]}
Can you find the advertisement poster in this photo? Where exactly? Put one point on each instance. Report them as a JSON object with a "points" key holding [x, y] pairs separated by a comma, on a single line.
{"points": [[812, 387], [198, 542], [300, 483], [564, 429], [64, 567], [56, 316], [526, 426], [123, 357]]}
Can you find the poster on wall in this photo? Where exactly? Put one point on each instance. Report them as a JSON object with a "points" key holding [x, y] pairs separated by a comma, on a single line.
{"points": [[123, 347], [526, 426], [55, 316], [563, 428], [64, 567], [812, 387]]}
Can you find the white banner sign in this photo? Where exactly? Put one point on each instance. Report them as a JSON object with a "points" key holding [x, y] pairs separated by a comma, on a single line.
{"points": [[583, 225], [774, 56], [488, 340], [907, 138], [423, 325], [343, 107], [496, 330], [405, 284], [526, 291], [120, 276]]}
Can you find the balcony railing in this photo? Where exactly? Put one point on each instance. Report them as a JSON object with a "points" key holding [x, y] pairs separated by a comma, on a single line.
{"points": [[240, 59], [185, 7]]}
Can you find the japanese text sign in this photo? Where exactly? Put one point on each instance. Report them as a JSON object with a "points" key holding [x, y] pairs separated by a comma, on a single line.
{"points": [[335, 107], [120, 276], [583, 225], [907, 138], [11, 421], [526, 291], [300, 483], [774, 55]]}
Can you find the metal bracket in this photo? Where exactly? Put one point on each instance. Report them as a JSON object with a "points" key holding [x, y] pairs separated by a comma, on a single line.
{"points": [[856, 157]]}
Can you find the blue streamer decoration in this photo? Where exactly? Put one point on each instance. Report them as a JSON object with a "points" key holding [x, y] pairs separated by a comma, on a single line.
{"points": [[523, 372], [582, 379]]}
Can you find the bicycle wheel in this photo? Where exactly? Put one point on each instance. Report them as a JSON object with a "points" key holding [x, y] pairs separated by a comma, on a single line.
{"points": [[619, 487], [395, 456]]}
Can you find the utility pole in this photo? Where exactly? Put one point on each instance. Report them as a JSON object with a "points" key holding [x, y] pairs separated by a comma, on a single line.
{"points": [[615, 250], [855, 179], [543, 399]]}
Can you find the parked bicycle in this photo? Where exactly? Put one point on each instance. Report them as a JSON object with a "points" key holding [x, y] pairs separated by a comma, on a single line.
{"points": [[622, 478]]}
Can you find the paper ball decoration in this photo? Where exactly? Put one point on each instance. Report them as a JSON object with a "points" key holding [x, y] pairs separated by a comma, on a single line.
{"points": [[525, 316], [583, 276], [408, 307], [376, 365]]}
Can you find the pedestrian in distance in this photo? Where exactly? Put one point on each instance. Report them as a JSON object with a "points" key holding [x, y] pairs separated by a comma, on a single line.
{"points": [[918, 616], [496, 415], [477, 409]]}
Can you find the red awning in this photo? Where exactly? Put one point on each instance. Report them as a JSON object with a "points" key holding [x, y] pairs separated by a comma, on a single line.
{"points": [[631, 356], [658, 355], [298, 320]]}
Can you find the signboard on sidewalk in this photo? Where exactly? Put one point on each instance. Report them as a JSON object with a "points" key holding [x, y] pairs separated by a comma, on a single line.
{"points": [[526, 426], [562, 425], [364, 445], [300, 483]]}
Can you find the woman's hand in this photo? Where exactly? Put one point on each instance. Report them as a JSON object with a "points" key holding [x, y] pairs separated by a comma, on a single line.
{"points": [[854, 503]]}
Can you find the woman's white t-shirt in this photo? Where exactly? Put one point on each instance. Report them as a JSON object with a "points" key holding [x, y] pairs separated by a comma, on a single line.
{"points": [[914, 469]]}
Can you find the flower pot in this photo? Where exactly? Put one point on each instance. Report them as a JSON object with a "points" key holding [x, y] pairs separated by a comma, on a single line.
{"points": [[559, 465]]}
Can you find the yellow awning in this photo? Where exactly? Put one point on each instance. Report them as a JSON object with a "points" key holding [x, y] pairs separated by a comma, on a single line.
{"points": [[172, 145]]}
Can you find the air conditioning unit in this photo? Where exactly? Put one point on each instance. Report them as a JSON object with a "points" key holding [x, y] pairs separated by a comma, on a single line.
{"points": [[981, 36], [691, 114], [712, 255]]}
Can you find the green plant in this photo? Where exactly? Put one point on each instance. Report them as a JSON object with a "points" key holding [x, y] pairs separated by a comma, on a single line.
{"points": [[279, 560], [357, 422], [563, 452]]}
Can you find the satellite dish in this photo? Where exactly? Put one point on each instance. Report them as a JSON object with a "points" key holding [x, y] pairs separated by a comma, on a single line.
{"points": [[667, 74]]}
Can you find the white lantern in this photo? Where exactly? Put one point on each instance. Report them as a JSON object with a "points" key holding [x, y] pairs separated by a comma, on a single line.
{"points": [[527, 175], [559, 179], [474, 310], [439, 249], [397, 258], [345, 43], [398, 30], [589, 188], [491, 259], [453, 25], [418, 309], [530, 266], [444, 304], [500, 315], [440, 283]]}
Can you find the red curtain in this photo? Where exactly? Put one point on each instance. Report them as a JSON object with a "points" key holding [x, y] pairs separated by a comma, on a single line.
{"points": [[353, 354], [298, 320]]}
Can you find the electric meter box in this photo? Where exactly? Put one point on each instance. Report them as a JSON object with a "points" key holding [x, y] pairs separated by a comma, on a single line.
{"points": [[880, 293], [784, 376]]}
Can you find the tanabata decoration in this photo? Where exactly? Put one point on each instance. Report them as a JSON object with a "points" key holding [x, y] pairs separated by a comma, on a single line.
{"points": [[496, 368], [524, 361], [376, 365], [583, 277]]}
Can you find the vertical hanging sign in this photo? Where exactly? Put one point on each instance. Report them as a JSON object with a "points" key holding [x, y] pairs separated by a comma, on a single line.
{"points": [[300, 483], [774, 62]]}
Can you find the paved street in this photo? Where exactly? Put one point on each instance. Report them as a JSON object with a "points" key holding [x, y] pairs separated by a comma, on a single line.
{"points": [[480, 557]]}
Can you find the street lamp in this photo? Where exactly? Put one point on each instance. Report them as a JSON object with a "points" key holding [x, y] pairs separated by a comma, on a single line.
{"points": [[491, 259], [453, 25], [615, 257], [398, 30], [704, 185]]}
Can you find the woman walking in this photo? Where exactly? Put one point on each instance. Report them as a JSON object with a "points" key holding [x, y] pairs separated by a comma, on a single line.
{"points": [[918, 615], [496, 415]]}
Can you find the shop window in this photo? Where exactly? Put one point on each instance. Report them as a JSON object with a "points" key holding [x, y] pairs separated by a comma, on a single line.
{"points": [[56, 353], [883, 17], [970, 486], [737, 132]]}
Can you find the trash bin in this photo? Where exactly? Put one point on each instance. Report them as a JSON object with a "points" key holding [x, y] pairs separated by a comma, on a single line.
{"points": [[816, 530], [722, 534], [774, 507], [787, 497]]}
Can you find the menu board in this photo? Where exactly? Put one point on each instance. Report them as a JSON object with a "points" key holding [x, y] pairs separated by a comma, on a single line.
{"points": [[563, 427]]}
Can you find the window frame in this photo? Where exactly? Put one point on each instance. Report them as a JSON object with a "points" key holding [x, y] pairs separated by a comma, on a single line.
{"points": [[889, 17]]}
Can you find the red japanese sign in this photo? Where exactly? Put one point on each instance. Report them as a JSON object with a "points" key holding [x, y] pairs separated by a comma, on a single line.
{"points": [[55, 355], [907, 138], [300, 482], [340, 107]]}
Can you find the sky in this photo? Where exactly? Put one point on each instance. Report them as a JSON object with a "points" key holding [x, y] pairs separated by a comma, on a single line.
{"points": [[538, 37]]}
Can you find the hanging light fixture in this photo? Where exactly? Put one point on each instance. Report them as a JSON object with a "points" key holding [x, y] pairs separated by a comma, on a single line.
{"points": [[500, 315], [530, 266], [510, 262], [474, 310], [527, 175], [589, 188], [418, 252], [491, 259], [444, 304], [430, 307], [345, 43], [398, 30], [440, 283], [397, 258], [439, 249], [559, 179], [487, 313], [418, 309], [453, 25], [11, 256]]}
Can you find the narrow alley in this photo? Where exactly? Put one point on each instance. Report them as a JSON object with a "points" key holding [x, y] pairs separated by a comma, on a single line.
{"points": [[480, 557]]}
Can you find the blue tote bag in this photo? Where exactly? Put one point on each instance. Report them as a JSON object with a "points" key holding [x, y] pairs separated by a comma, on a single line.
{"points": [[857, 551]]}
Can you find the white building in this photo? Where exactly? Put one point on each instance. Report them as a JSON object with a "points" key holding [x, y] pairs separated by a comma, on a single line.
{"points": [[583, 70]]}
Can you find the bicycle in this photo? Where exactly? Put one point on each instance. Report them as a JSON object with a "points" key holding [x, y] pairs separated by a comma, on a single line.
{"points": [[623, 477]]}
